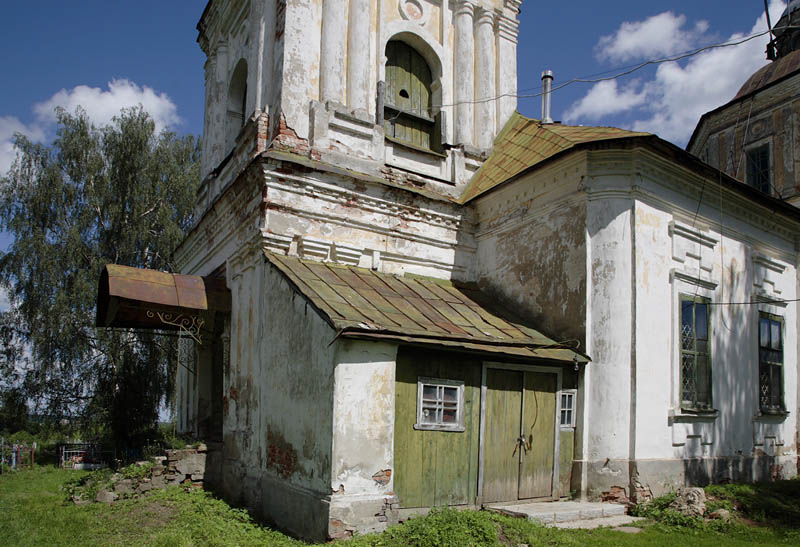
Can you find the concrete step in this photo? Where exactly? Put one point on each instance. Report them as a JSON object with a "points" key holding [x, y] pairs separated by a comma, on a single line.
{"points": [[555, 512]]}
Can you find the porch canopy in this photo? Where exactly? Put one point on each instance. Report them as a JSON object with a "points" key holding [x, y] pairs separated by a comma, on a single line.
{"points": [[420, 311], [148, 299]]}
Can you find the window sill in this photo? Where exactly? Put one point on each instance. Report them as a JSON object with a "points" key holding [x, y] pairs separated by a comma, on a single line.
{"points": [[693, 415], [432, 427], [415, 148], [768, 413]]}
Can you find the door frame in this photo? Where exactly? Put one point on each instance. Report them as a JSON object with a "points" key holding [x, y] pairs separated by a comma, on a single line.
{"points": [[522, 368]]}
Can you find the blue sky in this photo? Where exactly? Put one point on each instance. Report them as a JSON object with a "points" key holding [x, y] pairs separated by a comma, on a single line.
{"points": [[104, 55]]}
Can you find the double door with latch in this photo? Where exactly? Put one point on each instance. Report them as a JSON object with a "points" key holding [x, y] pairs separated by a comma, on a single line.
{"points": [[519, 435]]}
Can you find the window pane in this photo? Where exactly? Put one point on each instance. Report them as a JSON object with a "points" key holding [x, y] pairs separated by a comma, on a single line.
{"points": [[701, 321], [776, 387], [429, 392], [775, 335], [451, 394], [763, 332], [449, 416], [703, 377], [687, 318]]}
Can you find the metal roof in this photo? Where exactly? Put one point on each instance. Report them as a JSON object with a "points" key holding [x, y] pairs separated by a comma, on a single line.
{"points": [[769, 75], [360, 303], [125, 295], [526, 142]]}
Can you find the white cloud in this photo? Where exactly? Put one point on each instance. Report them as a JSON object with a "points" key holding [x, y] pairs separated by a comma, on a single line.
{"points": [[101, 105], [8, 126], [672, 101], [605, 99], [657, 36]]}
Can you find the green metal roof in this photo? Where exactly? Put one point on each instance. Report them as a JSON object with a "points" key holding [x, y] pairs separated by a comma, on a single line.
{"points": [[360, 303], [525, 142]]}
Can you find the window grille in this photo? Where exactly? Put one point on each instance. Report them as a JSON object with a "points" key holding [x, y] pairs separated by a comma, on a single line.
{"points": [[695, 353]]}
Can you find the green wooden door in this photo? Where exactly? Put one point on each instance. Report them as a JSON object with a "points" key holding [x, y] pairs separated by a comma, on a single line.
{"points": [[408, 95], [434, 468], [519, 406], [501, 451], [538, 426]]}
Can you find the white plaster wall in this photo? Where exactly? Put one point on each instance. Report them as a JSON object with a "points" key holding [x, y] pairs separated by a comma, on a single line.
{"points": [[296, 374], [363, 417], [531, 249], [330, 217], [609, 322]]}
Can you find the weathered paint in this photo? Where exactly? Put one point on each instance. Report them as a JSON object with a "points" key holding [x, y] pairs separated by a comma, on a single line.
{"points": [[593, 246], [434, 468], [773, 119]]}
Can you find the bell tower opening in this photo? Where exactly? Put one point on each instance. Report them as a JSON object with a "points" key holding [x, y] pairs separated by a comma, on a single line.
{"points": [[407, 107]]}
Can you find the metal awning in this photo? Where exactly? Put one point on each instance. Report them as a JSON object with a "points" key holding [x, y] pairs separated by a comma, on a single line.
{"points": [[148, 299]]}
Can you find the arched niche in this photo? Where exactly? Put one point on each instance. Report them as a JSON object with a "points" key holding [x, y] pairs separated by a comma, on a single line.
{"points": [[237, 101], [407, 123]]}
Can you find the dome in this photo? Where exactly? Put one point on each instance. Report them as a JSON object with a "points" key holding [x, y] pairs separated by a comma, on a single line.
{"points": [[771, 73]]}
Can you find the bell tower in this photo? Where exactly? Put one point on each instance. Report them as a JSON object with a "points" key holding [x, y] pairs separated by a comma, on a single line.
{"points": [[409, 89]]}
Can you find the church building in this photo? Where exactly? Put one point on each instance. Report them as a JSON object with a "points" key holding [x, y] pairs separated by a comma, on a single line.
{"points": [[404, 294]]}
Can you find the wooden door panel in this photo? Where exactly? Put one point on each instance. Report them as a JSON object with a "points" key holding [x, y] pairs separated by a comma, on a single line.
{"points": [[502, 428], [538, 425]]}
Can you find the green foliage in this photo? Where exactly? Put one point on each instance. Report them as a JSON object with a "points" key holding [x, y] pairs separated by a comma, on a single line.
{"points": [[136, 471], [85, 486], [443, 527], [774, 502], [115, 194], [33, 512]]}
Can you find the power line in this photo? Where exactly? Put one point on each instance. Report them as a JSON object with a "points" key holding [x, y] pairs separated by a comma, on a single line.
{"points": [[625, 71]]}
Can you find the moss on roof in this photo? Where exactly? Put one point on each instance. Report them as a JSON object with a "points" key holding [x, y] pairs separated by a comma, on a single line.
{"points": [[525, 142]]}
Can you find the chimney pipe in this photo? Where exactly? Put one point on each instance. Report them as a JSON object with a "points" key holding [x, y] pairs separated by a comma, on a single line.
{"points": [[547, 89]]}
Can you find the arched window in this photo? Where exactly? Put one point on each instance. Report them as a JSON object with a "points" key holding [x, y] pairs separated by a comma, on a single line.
{"points": [[407, 101], [237, 103]]}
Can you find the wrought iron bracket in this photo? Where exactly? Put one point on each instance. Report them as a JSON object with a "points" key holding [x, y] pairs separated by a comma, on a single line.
{"points": [[190, 324]]}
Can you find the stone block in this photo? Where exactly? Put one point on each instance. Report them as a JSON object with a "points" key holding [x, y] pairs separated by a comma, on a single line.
{"points": [[544, 518], [613, 509], [197, 476], [144, 487], [105, 496], [592, 512], [191, 463], [567, 516], [125, 486], [158, 481]]}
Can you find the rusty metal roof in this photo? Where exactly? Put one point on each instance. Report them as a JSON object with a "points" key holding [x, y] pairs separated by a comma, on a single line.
{"points": [[126, 294], [360, 303], [525, 142], [770, 74]]}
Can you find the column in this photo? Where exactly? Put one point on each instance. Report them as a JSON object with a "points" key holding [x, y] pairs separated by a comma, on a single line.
{"points": [[331, 69], [211, 69], [508, 30], [358, 38], [464, 77], [485, 74], [219, 106]]}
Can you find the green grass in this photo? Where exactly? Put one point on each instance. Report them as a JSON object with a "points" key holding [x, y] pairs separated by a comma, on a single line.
{"points": [[33, 511]]}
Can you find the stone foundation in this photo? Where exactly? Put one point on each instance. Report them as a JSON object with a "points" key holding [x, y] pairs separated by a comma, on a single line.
{"points": [[653, 478]]}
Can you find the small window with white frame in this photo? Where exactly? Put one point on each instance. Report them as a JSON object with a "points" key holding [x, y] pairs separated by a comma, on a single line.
{"points": [[440, 404], [567, 408]]}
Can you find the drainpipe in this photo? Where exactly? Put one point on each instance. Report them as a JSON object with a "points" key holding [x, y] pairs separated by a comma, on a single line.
{"points": [[547, 90]]}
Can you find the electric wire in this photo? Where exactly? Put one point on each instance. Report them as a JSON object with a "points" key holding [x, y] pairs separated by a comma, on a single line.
{"points": [[618, 73]]}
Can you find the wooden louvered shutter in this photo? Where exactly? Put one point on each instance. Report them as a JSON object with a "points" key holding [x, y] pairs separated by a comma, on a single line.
{"points": [[407, 115]]}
